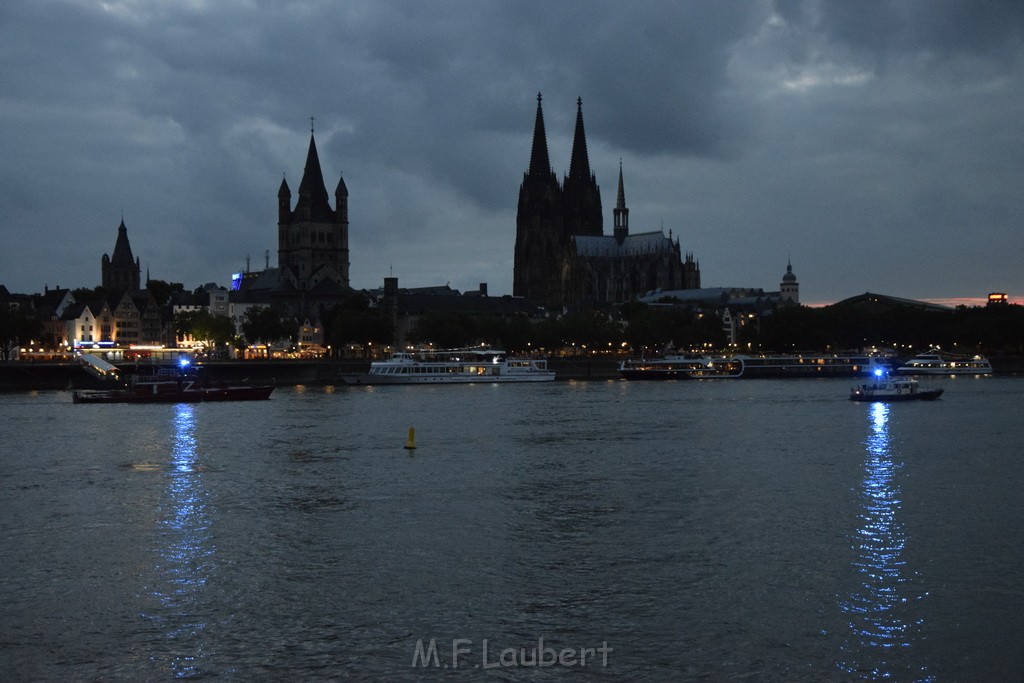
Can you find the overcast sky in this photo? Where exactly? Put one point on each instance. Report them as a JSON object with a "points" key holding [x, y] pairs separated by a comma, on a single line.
{"points": [[879, 145]]}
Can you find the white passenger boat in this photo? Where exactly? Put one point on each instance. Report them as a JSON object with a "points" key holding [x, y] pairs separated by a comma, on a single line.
{"points": [[453, 367], [937, 363]]}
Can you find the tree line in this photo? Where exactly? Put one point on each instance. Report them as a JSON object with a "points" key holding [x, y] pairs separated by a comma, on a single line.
{"points": [[988, 329], [632, 327]]}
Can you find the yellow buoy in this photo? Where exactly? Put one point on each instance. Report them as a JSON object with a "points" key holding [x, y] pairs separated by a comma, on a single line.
{"points": [[410, 444]]}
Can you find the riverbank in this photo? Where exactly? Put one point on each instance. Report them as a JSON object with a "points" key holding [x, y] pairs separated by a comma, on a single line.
{"points": [[19, 376]]}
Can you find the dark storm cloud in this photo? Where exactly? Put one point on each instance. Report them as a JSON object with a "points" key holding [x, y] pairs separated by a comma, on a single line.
{"points": [[755, 130]]}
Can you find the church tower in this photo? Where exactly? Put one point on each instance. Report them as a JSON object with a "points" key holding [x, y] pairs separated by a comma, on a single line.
{"points": [[789, 290], [581, 194], [620, 214], [540, 233], [312, 239], [121, 272]]}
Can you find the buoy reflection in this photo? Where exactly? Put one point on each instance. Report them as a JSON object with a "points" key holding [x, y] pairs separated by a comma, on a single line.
{"points": [[881, 612], [186, 551]]}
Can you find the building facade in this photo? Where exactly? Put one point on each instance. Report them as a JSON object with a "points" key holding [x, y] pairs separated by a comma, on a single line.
{"points": [[563, 257]]}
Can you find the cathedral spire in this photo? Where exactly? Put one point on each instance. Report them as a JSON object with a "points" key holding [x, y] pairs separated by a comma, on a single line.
{"points": [[582, 197], [579, 162], [620, 202], [540, 165], [122, 256], [121, 271], [620, 214]]}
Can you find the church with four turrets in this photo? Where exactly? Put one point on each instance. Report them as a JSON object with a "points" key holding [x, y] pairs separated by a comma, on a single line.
{"points": [[312, 239], [562, 256]]}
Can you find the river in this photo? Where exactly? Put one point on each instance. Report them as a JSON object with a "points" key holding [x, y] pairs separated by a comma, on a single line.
{"points": [[605, 530]]}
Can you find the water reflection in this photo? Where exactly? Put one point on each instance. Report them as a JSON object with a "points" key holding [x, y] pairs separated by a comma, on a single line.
{"points": [[881, 612], [185, 550]]}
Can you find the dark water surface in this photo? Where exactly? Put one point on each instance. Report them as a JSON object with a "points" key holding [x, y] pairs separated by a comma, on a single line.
{"points": [[755, 530]]}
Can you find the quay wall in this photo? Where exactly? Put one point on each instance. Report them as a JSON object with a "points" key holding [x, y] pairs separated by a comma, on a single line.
{"points": [[29, 376]]}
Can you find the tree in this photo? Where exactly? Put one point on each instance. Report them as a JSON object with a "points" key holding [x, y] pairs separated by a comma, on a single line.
{"points": [[17, 326], [264, 324], [213, 330], [162, 290], [444, 329], [519, 335], [360, 327], [85, 295], [353, 322], [647, 327]]}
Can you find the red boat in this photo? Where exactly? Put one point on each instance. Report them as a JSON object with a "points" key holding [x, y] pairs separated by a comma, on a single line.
{"points": [[176, 387]]}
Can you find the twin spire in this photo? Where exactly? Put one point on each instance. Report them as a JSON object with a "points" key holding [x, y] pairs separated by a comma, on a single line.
{"points": [[540, 164], [579, 162]]}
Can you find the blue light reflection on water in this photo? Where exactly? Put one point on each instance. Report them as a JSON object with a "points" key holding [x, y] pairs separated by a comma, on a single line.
{"points": [[185, 552], [883, 626]]}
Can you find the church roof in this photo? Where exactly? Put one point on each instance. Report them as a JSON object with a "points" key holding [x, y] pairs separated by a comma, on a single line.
{"points": [[76, 310], [264, 280], [330, 287], [633, 245], [49, 300], [872, 300], [312, 191], [122, 257], [143, 300]]}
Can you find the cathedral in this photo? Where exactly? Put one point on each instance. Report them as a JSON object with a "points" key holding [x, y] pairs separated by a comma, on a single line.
{"points": [[563, 257]]}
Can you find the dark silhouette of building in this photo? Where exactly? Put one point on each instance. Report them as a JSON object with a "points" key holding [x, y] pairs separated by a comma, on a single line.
{"points": [[789, 288], [313, 238], [121, 272], [563, 257], [312, 252]]}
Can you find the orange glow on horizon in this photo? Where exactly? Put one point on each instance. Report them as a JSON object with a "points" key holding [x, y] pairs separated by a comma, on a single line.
{"points": [[943, 301]]}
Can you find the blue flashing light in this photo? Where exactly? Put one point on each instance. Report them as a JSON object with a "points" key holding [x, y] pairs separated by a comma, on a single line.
{"points": [[184, 363], [878, 372]]}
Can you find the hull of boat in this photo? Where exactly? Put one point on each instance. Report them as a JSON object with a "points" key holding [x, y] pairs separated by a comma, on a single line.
{"points": [[923, 395], [653, 374], [367, 379], [944, 372], [201, 395], [790, 372]]}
